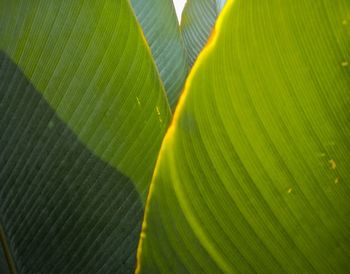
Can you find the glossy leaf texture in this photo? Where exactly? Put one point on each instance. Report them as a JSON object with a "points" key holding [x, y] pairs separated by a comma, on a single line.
{"points": [[197, 21], [82, 116], [254, 173], [161, 28]]}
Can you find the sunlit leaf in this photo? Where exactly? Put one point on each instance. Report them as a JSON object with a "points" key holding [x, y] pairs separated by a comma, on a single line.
{"points": [[254, 172]]}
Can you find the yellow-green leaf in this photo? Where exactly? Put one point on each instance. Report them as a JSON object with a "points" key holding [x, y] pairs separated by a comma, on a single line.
{"points": [[254, 172]]}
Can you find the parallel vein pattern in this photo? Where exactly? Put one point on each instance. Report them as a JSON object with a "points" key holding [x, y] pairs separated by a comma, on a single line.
{"points": [[159, 23], [82, 116], [62, 208], [254, 172], [197, 21], [91, 64]]}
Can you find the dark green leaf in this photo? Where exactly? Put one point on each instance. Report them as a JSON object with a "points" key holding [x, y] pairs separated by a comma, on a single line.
{"points": [[82, 116]]}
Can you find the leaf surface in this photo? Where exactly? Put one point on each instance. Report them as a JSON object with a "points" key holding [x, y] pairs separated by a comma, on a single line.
{"points": [[254, 172], [82, 116], [197, 21], [160, 26], [4, 267]]}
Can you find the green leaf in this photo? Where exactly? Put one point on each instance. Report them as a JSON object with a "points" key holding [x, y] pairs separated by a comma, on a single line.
{"points": [[82, 116], [197, 22], [254, 173], [6, 264], [3, 264], [159, 22], [220, 4]]}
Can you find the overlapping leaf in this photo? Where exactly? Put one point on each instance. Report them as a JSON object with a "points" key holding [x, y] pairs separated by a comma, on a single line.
{"points": [[82, 116], [253, 174], [197, 22], [161, 28]]}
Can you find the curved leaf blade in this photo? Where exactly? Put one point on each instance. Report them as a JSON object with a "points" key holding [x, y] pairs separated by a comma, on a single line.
{"points": [[159, 22], [197, 21], [58, 197], [91, 64], [253, 174], [82, 116]]}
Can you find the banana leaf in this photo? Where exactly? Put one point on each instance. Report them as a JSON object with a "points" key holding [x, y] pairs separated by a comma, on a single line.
{"points": [[253, 174], [82, 116]]}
